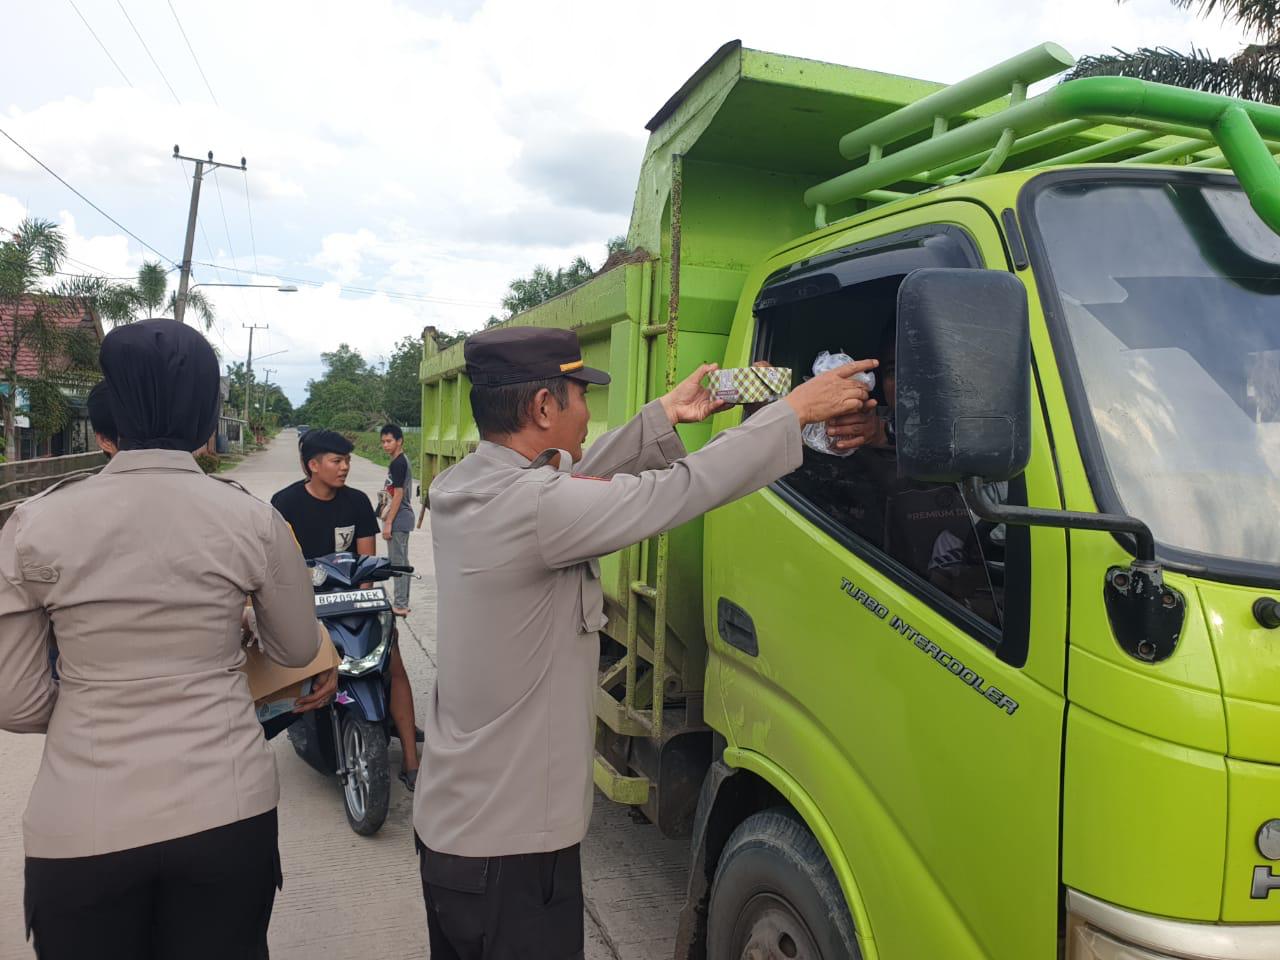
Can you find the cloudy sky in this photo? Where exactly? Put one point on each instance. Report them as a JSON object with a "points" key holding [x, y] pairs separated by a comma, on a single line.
{"points": [[429, 150]]}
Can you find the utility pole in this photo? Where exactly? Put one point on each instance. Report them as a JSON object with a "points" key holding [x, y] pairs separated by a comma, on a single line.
{"points": [[266, 390], [248, 369], [184, 278]]}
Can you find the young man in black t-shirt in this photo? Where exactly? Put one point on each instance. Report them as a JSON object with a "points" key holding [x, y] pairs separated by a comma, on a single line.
{"points": [[327, 517]]}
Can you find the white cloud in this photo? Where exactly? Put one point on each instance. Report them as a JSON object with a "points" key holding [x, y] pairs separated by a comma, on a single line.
{"points": [[343, 253]]}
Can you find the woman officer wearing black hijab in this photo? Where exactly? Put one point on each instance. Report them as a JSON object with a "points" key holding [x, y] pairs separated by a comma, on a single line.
{"points": [[151, 828]]}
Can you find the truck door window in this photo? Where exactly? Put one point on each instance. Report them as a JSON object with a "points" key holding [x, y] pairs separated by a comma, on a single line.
{"points": [[922, 533]]}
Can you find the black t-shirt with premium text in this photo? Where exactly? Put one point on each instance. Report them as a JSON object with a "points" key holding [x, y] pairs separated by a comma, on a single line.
{"points": [[323, 527]]}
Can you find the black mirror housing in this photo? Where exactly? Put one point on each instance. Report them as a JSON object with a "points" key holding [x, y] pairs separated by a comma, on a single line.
{"points": [[963, 406]]}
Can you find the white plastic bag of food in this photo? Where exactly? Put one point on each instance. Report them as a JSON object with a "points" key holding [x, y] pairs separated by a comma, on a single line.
{"points": [[815, 434]]}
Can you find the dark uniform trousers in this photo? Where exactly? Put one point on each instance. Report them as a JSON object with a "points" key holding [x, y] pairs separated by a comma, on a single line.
{"points": [[207, 896], [521, 907]]}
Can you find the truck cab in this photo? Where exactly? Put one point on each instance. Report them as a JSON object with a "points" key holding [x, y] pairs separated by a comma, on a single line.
{"points": [[1005, 682]]}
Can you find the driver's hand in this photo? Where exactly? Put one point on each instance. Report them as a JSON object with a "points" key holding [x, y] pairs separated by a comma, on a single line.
{"points": [[853, 430], [323, 687]]}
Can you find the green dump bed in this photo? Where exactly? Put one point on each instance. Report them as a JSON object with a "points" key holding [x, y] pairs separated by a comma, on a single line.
{"points": [[737, 147]]}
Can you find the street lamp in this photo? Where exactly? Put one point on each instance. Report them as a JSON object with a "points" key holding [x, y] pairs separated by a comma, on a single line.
{"points": [[287, 288]]}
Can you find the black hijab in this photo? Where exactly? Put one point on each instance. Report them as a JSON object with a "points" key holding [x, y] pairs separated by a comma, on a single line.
{"points": [[163, 385]]}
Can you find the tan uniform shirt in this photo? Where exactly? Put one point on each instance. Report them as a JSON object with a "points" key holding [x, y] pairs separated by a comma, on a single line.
{"points": [[139, 574], [510, 726]]}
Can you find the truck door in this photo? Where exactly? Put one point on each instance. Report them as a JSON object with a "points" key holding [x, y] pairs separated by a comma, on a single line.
{"points": [[898, 662]]}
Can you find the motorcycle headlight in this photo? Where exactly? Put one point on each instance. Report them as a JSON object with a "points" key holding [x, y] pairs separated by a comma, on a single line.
{"points": [[358, 666], [1097, 930], [318, 576]]}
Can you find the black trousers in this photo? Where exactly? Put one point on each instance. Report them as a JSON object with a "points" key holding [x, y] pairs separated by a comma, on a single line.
{"points": [[527, 906], [201, 897]]}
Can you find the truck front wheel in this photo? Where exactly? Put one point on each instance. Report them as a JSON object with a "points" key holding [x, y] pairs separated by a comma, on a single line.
{"points": [[775, 896]]}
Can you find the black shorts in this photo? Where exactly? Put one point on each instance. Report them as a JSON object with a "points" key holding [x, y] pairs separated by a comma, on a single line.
{"points": [[526, 906]]}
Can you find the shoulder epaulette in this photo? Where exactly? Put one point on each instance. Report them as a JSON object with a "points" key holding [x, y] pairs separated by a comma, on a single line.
{"points": [[231, 483], [70, 478]]}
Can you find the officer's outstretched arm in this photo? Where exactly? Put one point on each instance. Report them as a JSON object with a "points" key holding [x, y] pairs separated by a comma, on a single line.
{"points": [[580, 518], [645, 442], [27, 690], [284, 601]]}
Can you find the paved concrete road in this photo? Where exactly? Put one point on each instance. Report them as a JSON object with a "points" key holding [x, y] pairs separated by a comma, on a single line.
{"points": [[347, 896]]}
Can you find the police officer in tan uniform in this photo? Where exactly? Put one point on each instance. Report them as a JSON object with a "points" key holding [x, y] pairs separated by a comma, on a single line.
{"points": [[517, 527], [151, 829]]}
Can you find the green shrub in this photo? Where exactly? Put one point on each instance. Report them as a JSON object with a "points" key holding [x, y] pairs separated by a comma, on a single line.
{"points": [[208, 461]]}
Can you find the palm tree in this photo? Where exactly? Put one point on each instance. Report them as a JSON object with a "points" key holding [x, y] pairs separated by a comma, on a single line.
{"points": [[153, 282], [1253, 73], [29, 327], [148, 296]]}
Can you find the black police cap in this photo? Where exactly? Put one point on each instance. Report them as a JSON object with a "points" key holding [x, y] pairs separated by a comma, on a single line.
{"points": [[506, 355]]}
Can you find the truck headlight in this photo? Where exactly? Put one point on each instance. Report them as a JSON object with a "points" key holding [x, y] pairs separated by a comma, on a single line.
{"points": [[1097, 930], [358, 666]]}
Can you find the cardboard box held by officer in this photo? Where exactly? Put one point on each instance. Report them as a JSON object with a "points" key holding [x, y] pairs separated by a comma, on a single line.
{"points": [[275, 689]]}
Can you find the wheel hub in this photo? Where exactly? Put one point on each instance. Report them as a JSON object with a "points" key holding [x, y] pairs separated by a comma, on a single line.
{"points": [[357, 781], [770, 928]]}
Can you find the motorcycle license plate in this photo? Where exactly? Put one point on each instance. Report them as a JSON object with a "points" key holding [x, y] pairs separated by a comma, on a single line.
{"points": [[350, 601]]}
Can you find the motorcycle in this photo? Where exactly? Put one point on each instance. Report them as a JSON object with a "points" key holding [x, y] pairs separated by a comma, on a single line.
{"points": [[351, 736]]}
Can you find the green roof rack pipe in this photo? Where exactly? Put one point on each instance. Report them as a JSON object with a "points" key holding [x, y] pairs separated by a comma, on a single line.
{"points": [[1096, 151], [1097, 99], [1252, 162], [1057, 132], [1218, 161], [1175, 151], [1157, 126], [1026, 68]]}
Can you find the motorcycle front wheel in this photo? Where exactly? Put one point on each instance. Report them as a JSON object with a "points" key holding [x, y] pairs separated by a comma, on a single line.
{"points": [[367, 793]]}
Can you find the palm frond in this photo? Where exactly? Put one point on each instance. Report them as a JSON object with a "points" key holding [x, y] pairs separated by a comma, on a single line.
{"points": [[114, 302], [1257, 16], [43, 243], [198, 303], [1254, 73]]}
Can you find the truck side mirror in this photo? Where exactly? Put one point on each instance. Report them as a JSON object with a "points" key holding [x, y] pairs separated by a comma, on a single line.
{"points": [[963, 405]]}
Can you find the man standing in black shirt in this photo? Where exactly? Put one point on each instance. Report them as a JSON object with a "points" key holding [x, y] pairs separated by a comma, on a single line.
{"points": [[328, 517], [397, 515]]}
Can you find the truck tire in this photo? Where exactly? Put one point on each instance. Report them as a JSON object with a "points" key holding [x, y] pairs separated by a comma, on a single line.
{"points": [[366, 795], [775, 896]]}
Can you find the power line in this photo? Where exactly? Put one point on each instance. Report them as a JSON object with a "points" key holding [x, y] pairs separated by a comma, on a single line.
{"points": [[47, 169], [217, 182], [371, 291], [120, 4], [100, 43], [226, 226], [252, 239], [193, 53]]}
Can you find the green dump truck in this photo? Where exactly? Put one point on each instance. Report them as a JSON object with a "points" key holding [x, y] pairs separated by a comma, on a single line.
{"points": [[1007, 686]]}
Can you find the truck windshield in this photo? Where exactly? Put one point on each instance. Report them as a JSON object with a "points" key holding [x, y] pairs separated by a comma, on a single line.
{"points": [[1169, 299]]}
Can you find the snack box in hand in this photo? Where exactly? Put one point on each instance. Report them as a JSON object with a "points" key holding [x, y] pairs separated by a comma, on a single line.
{"points": [[275, 688], [751, 384]]}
